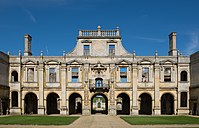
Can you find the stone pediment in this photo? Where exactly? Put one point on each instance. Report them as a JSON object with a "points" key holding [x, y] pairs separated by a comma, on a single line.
{"points": [[74, 62], [29, 62], [123, 62], [145, 61], [52, 62], [167, 62]]}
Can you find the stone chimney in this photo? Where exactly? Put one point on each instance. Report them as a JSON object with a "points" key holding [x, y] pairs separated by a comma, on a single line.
{"points": [[27, 45], [172, 44]]}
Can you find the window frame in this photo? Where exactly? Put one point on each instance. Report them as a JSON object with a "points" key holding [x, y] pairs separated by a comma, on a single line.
{"points": [[123, 74], [52, 79]]}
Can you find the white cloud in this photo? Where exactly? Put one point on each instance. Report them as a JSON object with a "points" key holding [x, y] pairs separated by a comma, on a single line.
{"points": [[32, 18], [193, 45]]}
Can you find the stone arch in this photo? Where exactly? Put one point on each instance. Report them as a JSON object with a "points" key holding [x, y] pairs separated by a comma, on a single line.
{"points": [[102, 98], [14, 76], [145, 104], [167, 104], [123, 104], [14, 99], [75, 104], [30, 103], [53, 103]]}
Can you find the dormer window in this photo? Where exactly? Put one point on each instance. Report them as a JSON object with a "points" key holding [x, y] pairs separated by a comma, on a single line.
{"points": [[86, 50], [111, 49]]}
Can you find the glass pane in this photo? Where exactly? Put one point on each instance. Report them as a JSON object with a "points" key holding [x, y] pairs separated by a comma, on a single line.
{"points": [[74, 69], [123, 69]]}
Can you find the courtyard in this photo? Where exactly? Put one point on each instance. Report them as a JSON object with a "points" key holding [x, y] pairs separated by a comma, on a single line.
{"points": [[98, 121]]}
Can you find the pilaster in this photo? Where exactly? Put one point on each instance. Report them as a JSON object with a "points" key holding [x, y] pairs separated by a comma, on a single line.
{"points": [[41, 108], [134, 87], [156, 89], [63, 109]]}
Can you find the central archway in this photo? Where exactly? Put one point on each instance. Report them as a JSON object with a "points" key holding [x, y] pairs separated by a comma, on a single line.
{"points": [[145, 104], [99, 104], [75, 104], [167, 104], [30, 104], [53, 103], [123, 104]]}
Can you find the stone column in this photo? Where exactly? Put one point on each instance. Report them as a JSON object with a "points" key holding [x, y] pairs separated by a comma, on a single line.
{"points": [[112, 107], [63, 109], [41, 108], [156, 89], [134, 87], [86, 108]]}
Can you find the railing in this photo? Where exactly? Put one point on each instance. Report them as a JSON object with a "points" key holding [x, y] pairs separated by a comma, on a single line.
{"points": [[99, 33]]}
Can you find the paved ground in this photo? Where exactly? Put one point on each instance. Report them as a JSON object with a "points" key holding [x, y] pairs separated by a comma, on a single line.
{"points": [[100, 121]]}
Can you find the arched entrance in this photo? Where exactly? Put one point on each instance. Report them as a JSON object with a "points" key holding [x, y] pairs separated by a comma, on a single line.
{"points": [[99, 104], [75, 104], [30, 103], [145, 104], [167, 104], [123, 104], [53, 103]]}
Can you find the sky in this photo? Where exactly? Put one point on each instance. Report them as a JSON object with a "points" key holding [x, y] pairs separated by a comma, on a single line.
{"points": [[54, 24]]}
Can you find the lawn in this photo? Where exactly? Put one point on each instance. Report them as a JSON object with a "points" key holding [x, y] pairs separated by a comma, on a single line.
{"points": [[150, 120], [38, 120]]}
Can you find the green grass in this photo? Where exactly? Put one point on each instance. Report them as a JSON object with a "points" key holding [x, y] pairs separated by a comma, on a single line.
{"points": [[38, 120], [151, 120]]}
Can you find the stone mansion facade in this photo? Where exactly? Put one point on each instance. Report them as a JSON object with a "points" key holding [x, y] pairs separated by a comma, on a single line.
{"points": [[99, 66]]}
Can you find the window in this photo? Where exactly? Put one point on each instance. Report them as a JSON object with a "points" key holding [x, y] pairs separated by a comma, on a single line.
{"points": [[183, 99], [183, 76], [14, 76], [98, 82], [52, 75], [86, 50], [111, 49], [123, 74], [167, 75], [75, 74], [145, 74], [30, 75], [14, 99]]}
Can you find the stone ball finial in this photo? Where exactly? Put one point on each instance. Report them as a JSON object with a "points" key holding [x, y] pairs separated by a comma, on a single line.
{"points": [[41, 54], [98, 27]]}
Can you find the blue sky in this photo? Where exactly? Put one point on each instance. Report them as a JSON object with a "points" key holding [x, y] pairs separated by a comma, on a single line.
{"points": [[54, 24]]}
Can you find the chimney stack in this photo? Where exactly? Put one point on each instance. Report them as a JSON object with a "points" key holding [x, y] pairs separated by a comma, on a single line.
{"points": [[27, 45], [172, 44]]}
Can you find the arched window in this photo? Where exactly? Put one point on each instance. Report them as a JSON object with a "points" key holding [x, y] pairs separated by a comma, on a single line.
{"points": [[183, 76], [14, 76], [167, 75], [98, 82], [14, 99], [30, 75]]}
